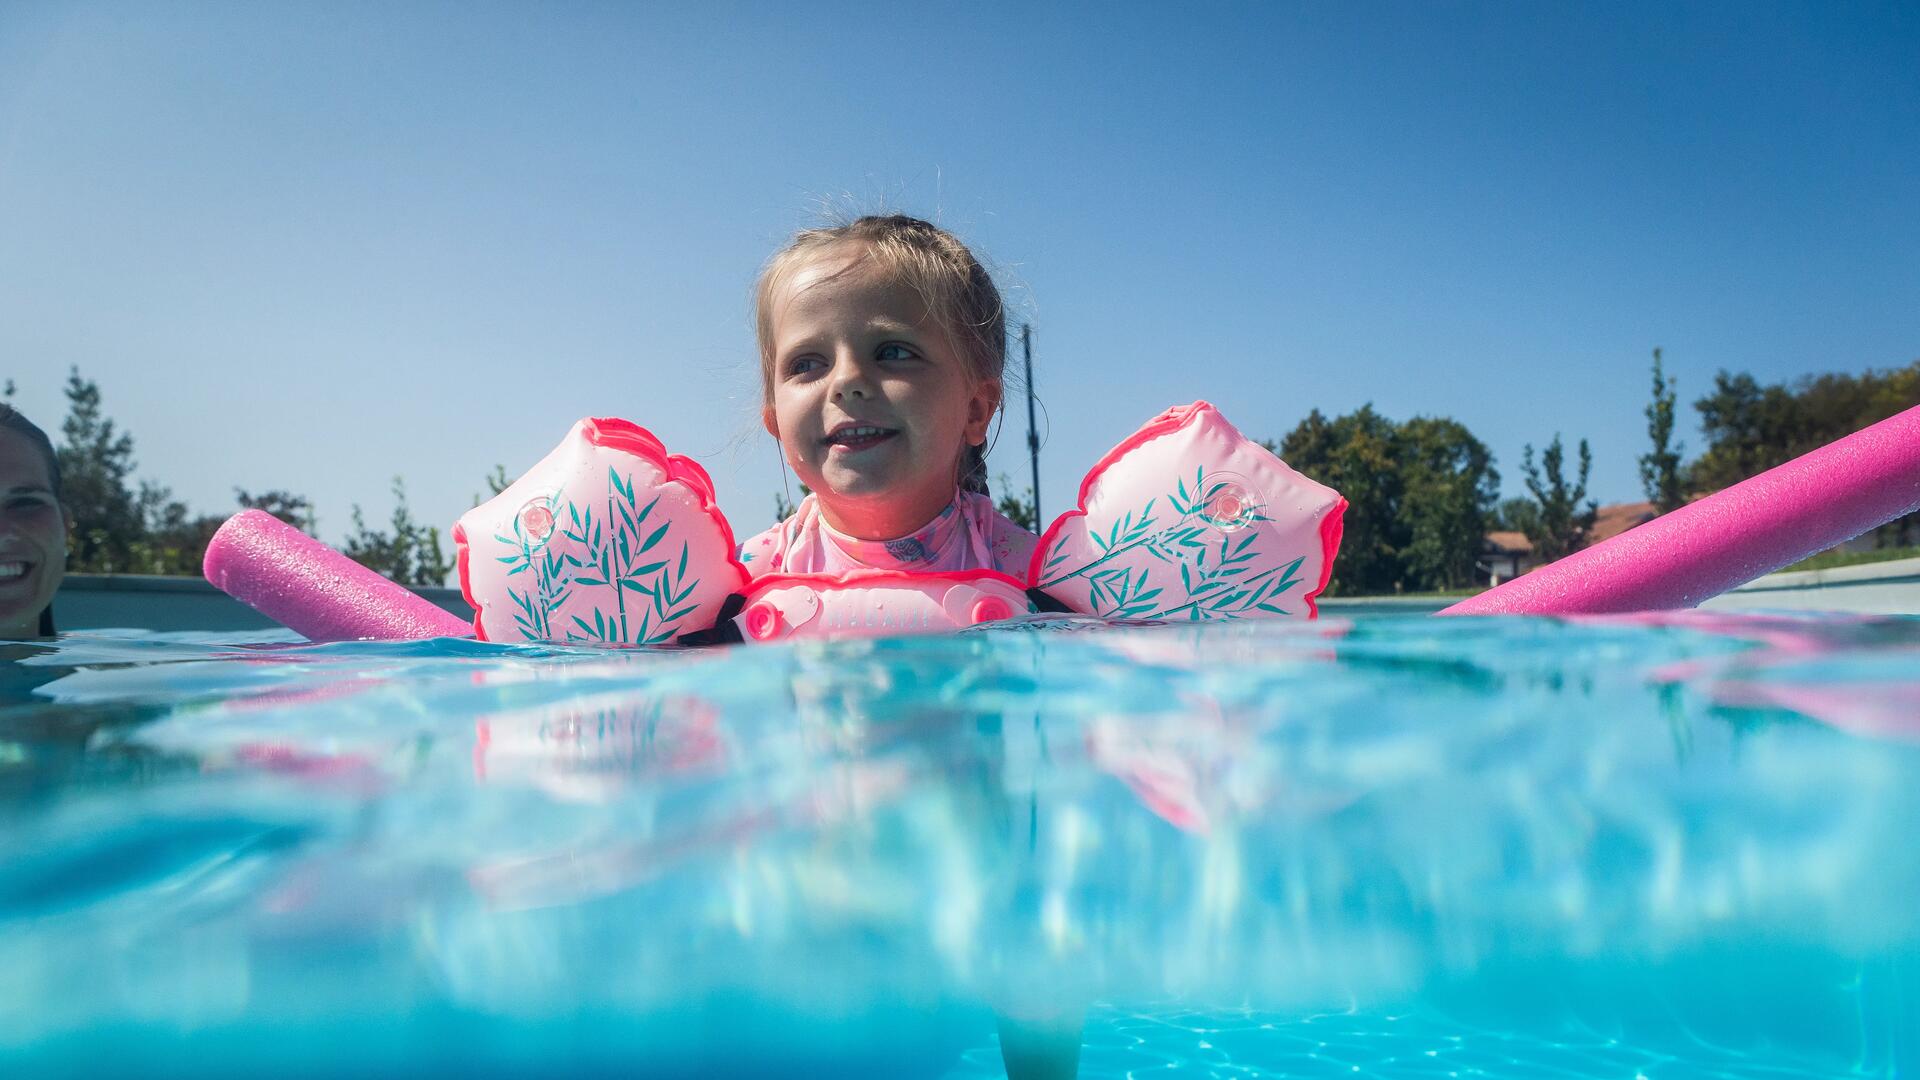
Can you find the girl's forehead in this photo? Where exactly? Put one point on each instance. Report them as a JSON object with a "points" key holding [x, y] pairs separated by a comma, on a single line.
{"points": [[839, 284]]}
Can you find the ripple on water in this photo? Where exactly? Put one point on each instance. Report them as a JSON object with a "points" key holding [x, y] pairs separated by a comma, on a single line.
{"points": [[1671, 846]]}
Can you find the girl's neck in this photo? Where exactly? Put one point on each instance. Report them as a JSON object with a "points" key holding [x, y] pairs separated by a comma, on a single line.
{"points": [[882, 519]]}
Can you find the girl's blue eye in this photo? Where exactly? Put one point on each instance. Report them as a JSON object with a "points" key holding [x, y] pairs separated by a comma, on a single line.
{"points": [[800, 365], [893, 350]]}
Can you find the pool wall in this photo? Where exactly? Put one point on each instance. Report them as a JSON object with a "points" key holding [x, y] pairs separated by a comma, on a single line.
{"points": [[145, 602], [92, 601], [1883, 588]]}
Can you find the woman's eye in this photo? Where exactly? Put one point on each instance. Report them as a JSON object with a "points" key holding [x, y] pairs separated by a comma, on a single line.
{"points": [[896, 351]]}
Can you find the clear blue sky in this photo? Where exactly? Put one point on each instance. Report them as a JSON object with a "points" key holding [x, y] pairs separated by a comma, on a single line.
{"points": [[312, 246]]}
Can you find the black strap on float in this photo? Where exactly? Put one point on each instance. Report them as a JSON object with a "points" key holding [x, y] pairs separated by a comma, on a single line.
{"points": [[723, 631], [1046, 603]]}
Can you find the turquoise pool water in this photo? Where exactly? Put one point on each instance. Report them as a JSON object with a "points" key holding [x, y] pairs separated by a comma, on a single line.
{"points": [[1398, 847]]}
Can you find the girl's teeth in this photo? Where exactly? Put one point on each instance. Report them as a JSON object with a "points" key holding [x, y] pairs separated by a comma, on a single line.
{"points": [[12, 570]]}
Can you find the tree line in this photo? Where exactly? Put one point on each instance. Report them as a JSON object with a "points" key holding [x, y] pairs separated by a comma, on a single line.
{"points": [[124, 524], [1422, 493]]}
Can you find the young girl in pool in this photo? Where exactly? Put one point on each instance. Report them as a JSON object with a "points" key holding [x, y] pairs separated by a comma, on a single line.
{"points": [[883, 347], [882, 354]]}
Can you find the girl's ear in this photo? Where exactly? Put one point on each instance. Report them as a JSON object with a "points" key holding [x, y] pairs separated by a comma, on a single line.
{"points": [[766, 421], [980, 409]]}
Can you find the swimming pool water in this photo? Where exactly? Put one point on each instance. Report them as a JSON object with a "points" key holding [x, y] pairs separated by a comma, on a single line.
{"points": [[1681, 846]]}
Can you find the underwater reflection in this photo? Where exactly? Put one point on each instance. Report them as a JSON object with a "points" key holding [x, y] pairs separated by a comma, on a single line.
{"points": [[1018, 820]]}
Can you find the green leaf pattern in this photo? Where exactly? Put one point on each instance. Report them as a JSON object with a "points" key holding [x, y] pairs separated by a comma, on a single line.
{"points": [[618, 570], [1223, 574]]}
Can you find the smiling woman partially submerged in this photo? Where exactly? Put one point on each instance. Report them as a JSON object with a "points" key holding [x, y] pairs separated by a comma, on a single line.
{"points": [[33, 529]]}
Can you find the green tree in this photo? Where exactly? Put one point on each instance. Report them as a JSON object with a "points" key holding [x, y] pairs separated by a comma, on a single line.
{"points": [[1561, 526], [124, 527], [1420, 497], [1660, 467], [1447, 502], [293, 509], [497, 482], [410, 554], [96, 468], [1357, 456], [1018, 508], [783, 507], [1518, 515], [174, 539], [1751, 428]]}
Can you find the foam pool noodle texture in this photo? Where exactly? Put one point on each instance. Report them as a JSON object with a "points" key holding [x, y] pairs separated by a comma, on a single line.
{"points": [[1733, 536], [305, 585]]}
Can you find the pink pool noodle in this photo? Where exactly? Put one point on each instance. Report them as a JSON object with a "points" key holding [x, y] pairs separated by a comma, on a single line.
{"points": [[1729, 538], [305, 585]]}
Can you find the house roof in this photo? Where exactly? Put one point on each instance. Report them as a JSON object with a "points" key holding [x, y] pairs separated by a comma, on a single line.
{"points": [[1616, 518], [1509, 543], [1609, 521]]}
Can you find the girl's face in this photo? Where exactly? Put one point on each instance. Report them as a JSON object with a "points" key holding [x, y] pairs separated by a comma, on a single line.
{"points": [[33, 537], [872, 403]]}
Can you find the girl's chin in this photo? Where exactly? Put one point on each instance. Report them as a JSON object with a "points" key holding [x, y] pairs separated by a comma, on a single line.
{"points": [[853, 489], [856, 487]]}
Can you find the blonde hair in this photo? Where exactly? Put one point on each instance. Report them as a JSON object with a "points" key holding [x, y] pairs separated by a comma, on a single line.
{"points": [[960, 296]]}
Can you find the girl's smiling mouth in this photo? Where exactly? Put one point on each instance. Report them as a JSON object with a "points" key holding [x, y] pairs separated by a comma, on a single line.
{"points": [[858, 436], [12, 570]]}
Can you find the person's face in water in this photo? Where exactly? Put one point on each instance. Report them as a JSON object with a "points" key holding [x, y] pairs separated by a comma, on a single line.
{"points": [[33, 537], [872, 403]]}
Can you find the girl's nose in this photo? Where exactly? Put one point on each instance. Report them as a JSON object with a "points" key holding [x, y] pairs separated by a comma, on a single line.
{"points": [[850, 379]]}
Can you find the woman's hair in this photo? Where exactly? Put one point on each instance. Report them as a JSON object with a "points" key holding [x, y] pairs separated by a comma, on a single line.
{"points": [[12, 420], [959, 293]]}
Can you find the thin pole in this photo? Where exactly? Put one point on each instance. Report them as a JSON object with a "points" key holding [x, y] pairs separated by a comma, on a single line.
{"points": [[1033, 433]]}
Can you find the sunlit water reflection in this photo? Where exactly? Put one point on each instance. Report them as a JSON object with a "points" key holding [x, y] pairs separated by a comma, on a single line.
{"points": [[1396, 847]]}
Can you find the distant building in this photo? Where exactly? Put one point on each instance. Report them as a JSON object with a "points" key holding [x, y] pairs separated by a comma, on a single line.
{"points": [[1616, 518], [1505, 555]]}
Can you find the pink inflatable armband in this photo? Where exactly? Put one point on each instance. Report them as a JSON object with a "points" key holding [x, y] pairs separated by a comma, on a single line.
{"points": [[868, 603], [308, 587], [1188, 519], [608, 539]]}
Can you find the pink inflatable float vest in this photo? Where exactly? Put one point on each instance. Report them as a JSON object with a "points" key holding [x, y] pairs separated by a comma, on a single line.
{"points": [[1188, 519], [867, 603], [608, 539], [612, 539]]}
